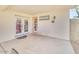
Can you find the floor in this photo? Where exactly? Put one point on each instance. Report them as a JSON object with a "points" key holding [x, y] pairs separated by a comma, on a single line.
{"points": [[75, 45], [38, 44], [74, 34]]}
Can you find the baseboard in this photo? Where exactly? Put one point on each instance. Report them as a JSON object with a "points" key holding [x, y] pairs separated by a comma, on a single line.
{"points": [[51, 36], [6, 40]]}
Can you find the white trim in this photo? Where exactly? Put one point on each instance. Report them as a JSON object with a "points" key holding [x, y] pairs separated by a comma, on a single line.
{"points": [[51, 36]]}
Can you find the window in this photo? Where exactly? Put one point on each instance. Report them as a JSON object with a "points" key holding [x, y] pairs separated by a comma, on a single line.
{"points": [[73, 13]]}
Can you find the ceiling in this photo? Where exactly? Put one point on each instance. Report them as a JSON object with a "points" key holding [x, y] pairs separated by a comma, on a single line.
{"points": [[32, 9]]}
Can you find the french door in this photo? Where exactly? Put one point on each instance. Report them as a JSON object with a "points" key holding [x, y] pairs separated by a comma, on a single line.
{"points": [[35, 24], [21, 27]]}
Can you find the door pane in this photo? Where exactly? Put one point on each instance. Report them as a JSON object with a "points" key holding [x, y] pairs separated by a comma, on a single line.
{"points": [[25, 25], [18, 26]]}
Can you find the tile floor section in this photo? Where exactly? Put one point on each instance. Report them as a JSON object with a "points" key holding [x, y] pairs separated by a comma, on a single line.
{"points": [[38, 44]]}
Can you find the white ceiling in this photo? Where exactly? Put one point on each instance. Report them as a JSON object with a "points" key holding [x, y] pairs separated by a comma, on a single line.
{"points": [[32, 9]]}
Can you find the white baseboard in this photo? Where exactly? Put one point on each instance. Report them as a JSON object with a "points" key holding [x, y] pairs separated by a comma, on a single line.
{"points": [[6, 40], [51, 36]]}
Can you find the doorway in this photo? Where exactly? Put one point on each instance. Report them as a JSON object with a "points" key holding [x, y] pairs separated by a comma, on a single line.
{"points": [[35, 24], [21, 27]]}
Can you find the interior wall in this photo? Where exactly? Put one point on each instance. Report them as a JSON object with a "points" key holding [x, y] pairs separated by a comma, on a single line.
{"points": [[8, 25], [59, 29], [74, 29]]}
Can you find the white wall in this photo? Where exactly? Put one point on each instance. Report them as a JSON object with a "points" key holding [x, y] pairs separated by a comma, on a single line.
{"points": [[8, 25], [59, 29], [74, 29]]}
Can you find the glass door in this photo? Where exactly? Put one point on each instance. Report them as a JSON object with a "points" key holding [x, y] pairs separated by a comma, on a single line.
{"points": [[25, 25], [35, 24], [18, 26], [21, 27]]}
